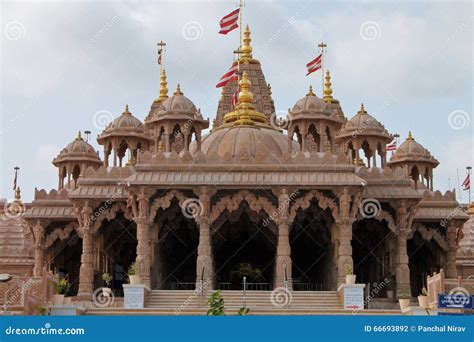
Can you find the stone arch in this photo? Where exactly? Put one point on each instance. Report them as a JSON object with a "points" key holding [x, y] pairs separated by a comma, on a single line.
{"points": [[323, 202], [430, 234], [109, 214], [382, 216], [164, 202], [60, 234], [232, 203]]}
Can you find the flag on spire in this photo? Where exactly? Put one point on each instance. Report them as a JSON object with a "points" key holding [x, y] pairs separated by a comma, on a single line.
{"points": [[467, 183], [314, 65], [229, 76], [392, 146], [159, 56], [229, 22], [235, 97]]}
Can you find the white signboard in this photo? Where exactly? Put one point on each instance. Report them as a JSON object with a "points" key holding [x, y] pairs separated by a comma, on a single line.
{"points": [[134, 297], [353, 298]]}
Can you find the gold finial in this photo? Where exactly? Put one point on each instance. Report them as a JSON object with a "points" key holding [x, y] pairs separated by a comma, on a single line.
{"points": [[361, 110], [245, 113], [178, 90], [246, 48], [163, 87], [327, 88], [310, 91], [126, 112], [79, 137], [410, 136]]}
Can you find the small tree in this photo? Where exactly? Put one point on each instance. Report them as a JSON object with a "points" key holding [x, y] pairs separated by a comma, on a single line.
{"points": [[62, 286], [216, 304], [107, 278]]}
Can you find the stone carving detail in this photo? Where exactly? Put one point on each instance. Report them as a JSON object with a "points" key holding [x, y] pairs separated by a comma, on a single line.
{"points": [[428, 235], [232, 203], [164, 202], [323, 202], [60, 234], [109, 214]]}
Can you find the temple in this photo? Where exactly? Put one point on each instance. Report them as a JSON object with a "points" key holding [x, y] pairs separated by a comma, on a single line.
{"points": [[299, 203]]}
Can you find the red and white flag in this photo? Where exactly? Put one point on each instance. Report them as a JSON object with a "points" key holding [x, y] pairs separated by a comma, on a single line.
{"points": [[228, 77], [235, 98], [159, 55], [229, 22], [314, 65], [467, 183], [15, 179], [392, 146]]}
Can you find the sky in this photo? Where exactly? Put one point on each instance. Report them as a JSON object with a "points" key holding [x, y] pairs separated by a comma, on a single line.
{"points": [[73, 66]]}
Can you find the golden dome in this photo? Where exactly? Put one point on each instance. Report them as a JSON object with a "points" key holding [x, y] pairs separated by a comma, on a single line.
{"points": [[79, 150]]}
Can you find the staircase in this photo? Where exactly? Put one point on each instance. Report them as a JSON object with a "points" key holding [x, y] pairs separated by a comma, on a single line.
{"points": [[168, 302]]}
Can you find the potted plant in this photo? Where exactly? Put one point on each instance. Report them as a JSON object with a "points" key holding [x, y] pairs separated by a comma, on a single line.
{"points": [[350, 276], [107, 291], [62, 288], [404, 301], [423, 299], [132, 276]]}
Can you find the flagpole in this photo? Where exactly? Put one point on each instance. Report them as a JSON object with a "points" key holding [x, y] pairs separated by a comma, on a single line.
{"points": [[322, 45], [241, 6]]}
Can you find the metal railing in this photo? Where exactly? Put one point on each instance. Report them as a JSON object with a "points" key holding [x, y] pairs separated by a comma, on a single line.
{"points": [[181, 286]]}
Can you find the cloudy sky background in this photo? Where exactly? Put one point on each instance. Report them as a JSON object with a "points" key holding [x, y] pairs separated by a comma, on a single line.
{"points": [[62, 63]]}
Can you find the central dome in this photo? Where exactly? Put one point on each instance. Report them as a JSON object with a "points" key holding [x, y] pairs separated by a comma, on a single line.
{"points": [[245, 140]]}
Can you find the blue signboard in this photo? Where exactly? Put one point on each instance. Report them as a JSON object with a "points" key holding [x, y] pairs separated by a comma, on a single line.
{"points": [[455, 301]]}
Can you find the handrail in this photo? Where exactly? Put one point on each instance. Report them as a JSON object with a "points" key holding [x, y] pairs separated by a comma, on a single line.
{"points": [[202, 282], [285, 284], [245, 292]]}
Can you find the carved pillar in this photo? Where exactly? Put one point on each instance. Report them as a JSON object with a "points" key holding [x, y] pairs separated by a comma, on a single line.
{"points": [[38, 235], [402, 273], [86, 272], [204, 263], [450, 269], [143, 264], [345, 221], [283, 258]]}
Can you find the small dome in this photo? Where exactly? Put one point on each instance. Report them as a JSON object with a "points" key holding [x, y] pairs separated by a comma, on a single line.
{"points": [[364, 124], [412, 151], [310, 104], [240, 140], [177, 104], [78, 150]]}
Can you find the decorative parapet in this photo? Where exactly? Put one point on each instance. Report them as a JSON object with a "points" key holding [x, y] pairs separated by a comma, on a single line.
{"points": [[309, 158], [52, 195], [378, 174], [107, 173]]}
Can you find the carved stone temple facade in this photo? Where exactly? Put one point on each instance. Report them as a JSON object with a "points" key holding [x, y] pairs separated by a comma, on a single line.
{"points": [[300, 202]]}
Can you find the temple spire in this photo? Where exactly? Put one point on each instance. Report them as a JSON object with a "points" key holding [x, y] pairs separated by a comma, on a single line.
{"points": [[327, 88], [246, 47], [310, 91], [178, 90], [126, 112], [361, 110], [79, 137], [410, 136], [163, 87]]}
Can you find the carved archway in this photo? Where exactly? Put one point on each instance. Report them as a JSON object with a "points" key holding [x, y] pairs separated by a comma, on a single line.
{"points": [[324, 203], [165, 201], [109, 213]]}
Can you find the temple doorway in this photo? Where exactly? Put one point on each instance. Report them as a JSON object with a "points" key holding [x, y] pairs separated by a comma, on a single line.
{"points": [[374, 253], [118, 250], [175, 254], [424, 258], [312, 252], [244, 245]]}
